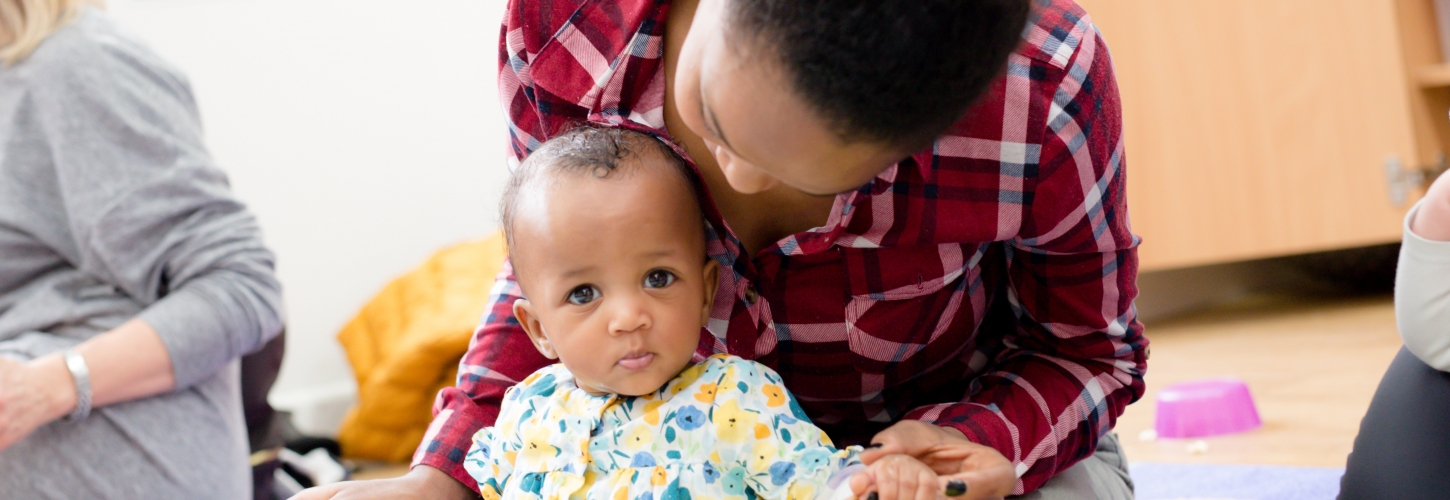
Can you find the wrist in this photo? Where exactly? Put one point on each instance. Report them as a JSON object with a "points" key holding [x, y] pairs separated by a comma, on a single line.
{"points": [[952, 432], [60, 394], [438, 484]]}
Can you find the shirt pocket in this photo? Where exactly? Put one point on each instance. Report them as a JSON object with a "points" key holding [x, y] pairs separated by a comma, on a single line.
{"points": [[916, 305]]}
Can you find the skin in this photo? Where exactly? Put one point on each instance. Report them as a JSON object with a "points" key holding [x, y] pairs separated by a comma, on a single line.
{"points": [[772, 166], [1432, 222], [616, 273], [126, 363]]}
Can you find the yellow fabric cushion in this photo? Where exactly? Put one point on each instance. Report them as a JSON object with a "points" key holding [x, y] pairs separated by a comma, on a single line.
{"points": [[405, 345]]}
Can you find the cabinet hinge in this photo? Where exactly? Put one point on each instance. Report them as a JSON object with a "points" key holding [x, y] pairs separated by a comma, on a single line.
{"points": [[1401, 180]]}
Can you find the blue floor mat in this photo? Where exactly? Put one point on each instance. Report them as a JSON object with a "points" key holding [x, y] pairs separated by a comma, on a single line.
{"points": [[1158, 481]]}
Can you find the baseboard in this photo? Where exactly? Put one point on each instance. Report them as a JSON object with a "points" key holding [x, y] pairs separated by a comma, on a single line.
{"points": [[317, 410]]}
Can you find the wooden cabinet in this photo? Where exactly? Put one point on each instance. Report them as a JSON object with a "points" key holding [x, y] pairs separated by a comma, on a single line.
{"points": [[1258, 128]]}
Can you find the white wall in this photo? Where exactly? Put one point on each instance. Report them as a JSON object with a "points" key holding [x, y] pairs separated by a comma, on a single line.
{"points": [[365, 134]]}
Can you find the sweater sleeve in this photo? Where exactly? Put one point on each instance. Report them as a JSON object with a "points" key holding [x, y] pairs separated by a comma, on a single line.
{"points": [[1422, 296], [150, 212]]}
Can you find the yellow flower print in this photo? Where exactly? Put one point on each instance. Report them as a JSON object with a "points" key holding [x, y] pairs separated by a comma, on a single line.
{"points": [[531, 378], [706, 394], [774, 395], [658, 477], [762, 456], [734, 425], [728, 380], [761, 431], [652, 412], [489, 493], [638, 438], [801, 491], [687, 377], [622, 493], [512, 457], [536, 448], [563, 486]]}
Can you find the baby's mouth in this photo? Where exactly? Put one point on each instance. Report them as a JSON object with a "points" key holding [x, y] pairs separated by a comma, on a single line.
{"points": [[636, 361]]}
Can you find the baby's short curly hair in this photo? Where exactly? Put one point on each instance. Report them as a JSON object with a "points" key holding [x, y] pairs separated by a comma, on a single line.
{"points": [[587, 149]]}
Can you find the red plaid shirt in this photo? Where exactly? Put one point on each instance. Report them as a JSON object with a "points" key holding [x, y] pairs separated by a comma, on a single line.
{"points": [[986, 283]]}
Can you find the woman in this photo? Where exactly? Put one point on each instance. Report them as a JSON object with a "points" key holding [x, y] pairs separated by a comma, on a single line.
{"points": [[1403, 446], [918, 207], [131, 279]]}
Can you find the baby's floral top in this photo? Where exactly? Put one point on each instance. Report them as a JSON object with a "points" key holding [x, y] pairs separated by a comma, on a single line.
{"points": [[723, 429]]}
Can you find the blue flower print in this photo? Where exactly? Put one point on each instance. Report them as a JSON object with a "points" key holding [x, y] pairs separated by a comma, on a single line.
{"points": [[675, 492], [710, 473], [642, 459], [734, 482], [799, 413], [689, 418], [578, 423], [532, 482], [815, 458], [542, 387], [781, 472]]}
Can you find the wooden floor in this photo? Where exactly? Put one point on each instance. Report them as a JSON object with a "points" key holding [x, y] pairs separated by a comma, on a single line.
{"points": [[1312, 365]]}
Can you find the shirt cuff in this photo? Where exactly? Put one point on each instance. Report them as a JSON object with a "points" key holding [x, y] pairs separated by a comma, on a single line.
{"points": [[978, 423], [195, 332], [446, 443]]}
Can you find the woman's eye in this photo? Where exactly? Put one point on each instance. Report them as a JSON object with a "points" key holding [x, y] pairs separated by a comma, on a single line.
{"points": [[583, 295], [659, 279]]}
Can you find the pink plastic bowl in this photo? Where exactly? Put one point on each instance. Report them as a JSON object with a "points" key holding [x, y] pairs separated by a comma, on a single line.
{"points": [[1205, 408]]}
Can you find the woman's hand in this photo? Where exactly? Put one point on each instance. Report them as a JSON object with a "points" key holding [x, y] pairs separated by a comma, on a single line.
{"points": [[962, 470], [1432, 222], [31, 395], [422, 483]]}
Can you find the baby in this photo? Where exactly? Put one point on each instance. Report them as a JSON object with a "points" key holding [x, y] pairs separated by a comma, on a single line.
{"points": [[607, 243]]}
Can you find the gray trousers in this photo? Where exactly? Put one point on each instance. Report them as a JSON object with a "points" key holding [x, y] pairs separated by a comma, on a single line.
{"points": [[1103, 476], [1403, 447], [188, 444]]}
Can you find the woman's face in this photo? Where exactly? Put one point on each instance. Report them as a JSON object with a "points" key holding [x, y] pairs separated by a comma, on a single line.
{"points": [[761, 132]]}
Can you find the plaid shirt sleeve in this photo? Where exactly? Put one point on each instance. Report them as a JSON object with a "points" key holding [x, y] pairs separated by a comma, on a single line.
{"points": [[1075, 357], [500, 353]]}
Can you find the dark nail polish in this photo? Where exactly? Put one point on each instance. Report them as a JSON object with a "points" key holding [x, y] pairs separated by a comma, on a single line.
{"points": [[871, 496], [873, 445], [956, 488]]}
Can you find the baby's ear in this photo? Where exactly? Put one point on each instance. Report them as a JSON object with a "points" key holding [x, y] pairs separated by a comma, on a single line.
{"points": [[524, 312], [712, 280]]}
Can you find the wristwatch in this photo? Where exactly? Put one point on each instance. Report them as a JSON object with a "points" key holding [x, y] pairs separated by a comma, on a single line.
{"points": [[82, 375]]}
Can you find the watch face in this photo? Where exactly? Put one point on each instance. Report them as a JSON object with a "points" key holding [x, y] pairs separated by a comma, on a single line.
{"points": [[81, 374]]}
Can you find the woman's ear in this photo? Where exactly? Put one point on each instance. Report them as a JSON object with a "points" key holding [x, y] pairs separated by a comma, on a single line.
{"points": [[712, 280], [524, 312]]}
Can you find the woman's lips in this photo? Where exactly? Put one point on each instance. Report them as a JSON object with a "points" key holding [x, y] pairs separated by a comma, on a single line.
{"points": [[636, 362]]}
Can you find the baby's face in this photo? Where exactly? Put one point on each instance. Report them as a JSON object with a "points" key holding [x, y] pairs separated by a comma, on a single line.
{"points": [[616, 277]]}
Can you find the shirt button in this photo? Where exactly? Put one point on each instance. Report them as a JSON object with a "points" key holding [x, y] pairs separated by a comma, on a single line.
{"points": [[751, 296]]}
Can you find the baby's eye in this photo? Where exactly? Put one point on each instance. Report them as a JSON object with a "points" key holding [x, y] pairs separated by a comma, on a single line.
{"points": [[583, 294], [658, 278]]}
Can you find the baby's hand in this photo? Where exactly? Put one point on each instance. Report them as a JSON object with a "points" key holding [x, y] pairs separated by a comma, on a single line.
{"points": [[897, 477]]}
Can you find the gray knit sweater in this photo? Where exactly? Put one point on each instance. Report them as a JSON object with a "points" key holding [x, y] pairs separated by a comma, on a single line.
{"points": [[111, 208]]}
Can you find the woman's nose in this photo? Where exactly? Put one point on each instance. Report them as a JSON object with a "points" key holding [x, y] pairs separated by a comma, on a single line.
{"points": [[629, 315]]}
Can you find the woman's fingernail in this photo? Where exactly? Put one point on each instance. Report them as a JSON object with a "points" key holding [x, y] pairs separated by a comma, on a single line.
{"points": [[871, 496], [873, 445], [956, 488]]}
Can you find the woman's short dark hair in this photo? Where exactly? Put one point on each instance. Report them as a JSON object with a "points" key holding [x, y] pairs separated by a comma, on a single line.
{"points": [[899, 72]]}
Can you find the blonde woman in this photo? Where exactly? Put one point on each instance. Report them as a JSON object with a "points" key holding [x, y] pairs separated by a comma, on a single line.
{"points": [[131, 279]]}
